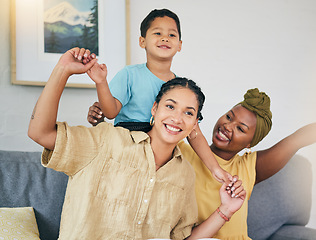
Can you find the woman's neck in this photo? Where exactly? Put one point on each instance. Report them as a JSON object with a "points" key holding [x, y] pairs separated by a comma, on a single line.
{"points": [[222, 154], [161, 69], [163, 152]]}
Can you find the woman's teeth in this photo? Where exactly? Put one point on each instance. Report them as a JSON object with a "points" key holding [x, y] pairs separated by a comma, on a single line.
{"points": [[173, 129], [222, 135]]}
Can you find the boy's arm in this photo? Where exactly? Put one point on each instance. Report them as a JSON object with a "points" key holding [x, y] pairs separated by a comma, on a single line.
{"points": [[202, 149], [42, 127], [271, 160], [109, 105]]}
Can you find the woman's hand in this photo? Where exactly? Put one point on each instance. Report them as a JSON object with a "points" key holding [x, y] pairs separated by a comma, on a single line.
{"points": [[76, 61], [232, 197]]}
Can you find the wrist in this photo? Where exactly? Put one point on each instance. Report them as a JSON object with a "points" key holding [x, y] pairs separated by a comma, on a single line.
{"points": [[63, 70], [60, 74], [215, 166], [102, 82], [225, 211]]}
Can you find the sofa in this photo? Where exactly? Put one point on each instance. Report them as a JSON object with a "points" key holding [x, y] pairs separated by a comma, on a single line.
{"points": [[279, 207], [26, 183]]}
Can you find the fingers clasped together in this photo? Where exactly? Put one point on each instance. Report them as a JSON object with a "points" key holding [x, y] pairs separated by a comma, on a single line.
{"points": [[235, 188], [89, 64], [232, 196], [82, 54]]}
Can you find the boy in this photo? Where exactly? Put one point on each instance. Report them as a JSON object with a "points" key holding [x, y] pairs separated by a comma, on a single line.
{"points": [[129, 96]]}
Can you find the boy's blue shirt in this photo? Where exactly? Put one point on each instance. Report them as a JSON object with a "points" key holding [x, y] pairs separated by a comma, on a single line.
{"points": [[136, 87]]}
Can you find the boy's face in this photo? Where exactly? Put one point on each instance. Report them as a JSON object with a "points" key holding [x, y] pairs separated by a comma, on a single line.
{"points": [[162, 39]]}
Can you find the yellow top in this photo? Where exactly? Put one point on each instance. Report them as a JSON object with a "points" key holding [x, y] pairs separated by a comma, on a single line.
{"points": [[207, 189], [114, 190]]}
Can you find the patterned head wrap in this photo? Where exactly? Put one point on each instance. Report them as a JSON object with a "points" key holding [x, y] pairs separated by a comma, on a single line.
{"points": [[259, 103]]}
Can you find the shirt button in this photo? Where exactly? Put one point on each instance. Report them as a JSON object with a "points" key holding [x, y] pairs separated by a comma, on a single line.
{"points": [[151, 180], [139, 222], [145, 201]]}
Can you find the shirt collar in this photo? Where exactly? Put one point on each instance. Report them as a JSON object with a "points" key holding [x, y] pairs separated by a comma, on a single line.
{"points": [[139, 136], [177, 153]]}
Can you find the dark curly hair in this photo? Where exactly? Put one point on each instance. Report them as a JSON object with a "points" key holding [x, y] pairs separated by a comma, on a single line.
{"points": [[185, 83]]}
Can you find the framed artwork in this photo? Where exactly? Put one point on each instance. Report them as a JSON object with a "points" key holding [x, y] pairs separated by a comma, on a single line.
{"points": [[41, 30]]}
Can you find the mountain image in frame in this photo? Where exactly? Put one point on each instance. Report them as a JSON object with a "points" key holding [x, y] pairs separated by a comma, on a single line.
{"points": [[66, 27]]}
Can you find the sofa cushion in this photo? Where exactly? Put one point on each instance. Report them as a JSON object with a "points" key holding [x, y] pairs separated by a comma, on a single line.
{"points": [[18, 223], [292, 232], [26, 183], [284, 198]]}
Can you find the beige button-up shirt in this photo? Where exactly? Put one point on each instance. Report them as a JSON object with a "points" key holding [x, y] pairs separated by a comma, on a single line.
{"points": [[114, 190]]}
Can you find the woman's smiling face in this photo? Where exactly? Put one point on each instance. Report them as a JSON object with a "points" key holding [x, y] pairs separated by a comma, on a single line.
{"points": [[175, 115], [233, 132]]}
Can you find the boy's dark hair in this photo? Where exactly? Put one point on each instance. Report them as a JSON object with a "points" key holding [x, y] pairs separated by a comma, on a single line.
{"points": [[158, 13], [185, 83]]}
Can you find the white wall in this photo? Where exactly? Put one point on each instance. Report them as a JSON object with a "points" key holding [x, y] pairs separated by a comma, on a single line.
{"points": [[228, 47], [231, 46], [17, 102]]}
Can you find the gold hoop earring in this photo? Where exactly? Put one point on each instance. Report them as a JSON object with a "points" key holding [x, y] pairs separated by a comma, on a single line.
{"points": [[152, 121], [248, 150], [194, 137]]}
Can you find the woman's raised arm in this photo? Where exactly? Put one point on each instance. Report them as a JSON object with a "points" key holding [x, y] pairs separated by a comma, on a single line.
{"points": [[273, 159], [42, 127]]}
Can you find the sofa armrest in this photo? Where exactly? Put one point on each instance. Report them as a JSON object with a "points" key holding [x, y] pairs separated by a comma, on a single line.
{"points": [[272, 203], [294, 232], [26, 183]]}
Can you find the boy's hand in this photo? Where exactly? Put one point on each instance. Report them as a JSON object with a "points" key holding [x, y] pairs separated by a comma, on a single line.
{"points": [[72, 61], [232, 197], [95, 115], [221, 175], [98, 73]]}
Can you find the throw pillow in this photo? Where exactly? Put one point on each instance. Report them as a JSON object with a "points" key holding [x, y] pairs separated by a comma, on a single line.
{"points": [[18, 223]]}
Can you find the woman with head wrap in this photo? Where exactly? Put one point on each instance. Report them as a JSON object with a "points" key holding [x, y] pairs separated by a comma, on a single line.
{"points": [[242, 127]]}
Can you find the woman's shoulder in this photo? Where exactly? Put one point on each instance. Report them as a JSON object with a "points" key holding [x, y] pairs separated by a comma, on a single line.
{"points": [[241, 161], [186, 149], [113, 134], [248, 156]]}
